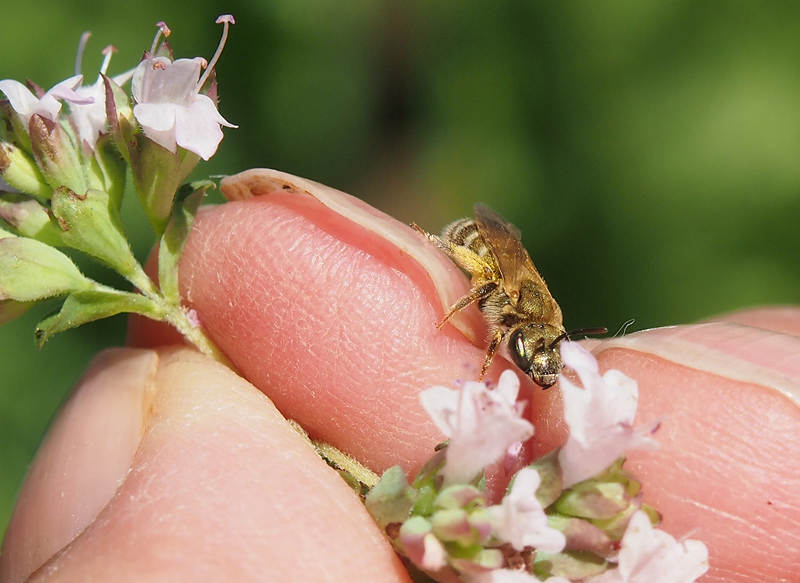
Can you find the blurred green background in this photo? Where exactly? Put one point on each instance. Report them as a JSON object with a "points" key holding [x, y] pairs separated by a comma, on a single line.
{"points": [[647, 150]]}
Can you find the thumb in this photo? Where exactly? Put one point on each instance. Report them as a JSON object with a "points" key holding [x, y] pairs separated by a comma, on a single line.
{"points": [[168, 465]]}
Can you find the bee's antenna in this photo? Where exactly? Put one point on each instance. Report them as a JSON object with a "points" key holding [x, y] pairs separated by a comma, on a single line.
{"points": [[624, 328], [576, 332]]}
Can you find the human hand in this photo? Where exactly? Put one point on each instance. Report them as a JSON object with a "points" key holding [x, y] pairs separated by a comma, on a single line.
{"points": [[167, 466]]}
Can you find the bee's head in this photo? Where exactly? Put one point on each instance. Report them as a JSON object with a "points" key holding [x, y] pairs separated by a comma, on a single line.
{"points": [[534, 349]]}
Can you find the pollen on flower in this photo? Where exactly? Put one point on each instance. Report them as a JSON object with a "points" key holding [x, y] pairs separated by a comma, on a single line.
{"points": [[163, 28]]}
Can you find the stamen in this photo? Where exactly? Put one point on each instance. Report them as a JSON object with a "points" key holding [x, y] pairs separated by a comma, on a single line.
{"points": [[226, 20], [81, 47], [107, 52], [162, 29]]}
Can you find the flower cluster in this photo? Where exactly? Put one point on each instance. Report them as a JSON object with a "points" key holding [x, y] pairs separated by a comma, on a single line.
{"points": [[64, 156], [572, 515]]}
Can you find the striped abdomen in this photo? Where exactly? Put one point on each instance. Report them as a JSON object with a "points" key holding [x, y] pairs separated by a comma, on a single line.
{"points": [[464, 232]]}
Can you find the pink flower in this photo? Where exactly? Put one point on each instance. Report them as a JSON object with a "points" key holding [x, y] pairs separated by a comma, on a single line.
{"points": [[26, 104], [169, 105], [89, 116], [520, 519], [650, 555], [480, 423], [600, 417], [170, 109]]}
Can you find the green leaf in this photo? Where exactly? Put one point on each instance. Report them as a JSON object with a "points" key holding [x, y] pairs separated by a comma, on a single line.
{"points": [[391, 499], [31, 270], [86, 306], [175, 235], [90, 223]]}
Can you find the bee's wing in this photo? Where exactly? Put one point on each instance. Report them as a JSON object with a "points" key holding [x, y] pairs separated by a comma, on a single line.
{"points": [[504, 240]]}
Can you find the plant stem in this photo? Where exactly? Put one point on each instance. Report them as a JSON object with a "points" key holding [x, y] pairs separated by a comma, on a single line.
{"points": [[178, 317]]}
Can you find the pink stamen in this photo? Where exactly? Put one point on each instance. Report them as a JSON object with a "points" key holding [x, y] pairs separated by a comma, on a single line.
{"points": [[226, 20], [81, 47], [164, 30]]}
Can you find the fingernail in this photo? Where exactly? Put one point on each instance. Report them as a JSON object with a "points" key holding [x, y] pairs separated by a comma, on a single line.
{"points": [[447, 282], [730, 350], [82, 460]]}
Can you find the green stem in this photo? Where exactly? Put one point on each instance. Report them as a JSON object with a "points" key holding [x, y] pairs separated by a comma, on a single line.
{"points": [[179, 319], [143, 283]]}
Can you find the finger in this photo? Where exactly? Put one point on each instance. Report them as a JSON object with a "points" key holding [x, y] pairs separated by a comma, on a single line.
{"points": [[82, 461], [220, 488], [330, 308], [785, 319], [727, 396]]}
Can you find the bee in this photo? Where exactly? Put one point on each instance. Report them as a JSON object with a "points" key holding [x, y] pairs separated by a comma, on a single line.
{"points": [[510, 293]]}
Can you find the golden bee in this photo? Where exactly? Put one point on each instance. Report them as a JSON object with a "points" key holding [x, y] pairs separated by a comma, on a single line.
{"points": [[509, 291]]}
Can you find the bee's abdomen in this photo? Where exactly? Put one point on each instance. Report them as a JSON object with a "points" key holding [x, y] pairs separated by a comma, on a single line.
{"points": [[464, 232]]}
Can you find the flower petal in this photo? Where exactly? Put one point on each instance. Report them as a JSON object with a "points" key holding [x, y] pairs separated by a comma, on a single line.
{"points": [[600, 417], [197, 127], [159, 80], [653, 556], [20, 97], [158, 122], [520, 519]]}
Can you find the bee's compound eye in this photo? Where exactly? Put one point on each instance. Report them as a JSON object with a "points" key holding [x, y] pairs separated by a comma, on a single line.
{"points": [[520, 350]]}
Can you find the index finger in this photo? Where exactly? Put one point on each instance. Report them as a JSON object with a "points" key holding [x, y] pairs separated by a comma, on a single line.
{"points": [[329, 307]]}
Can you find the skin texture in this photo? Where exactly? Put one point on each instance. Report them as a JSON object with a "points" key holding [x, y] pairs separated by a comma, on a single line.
{"points": [[165, 465]]}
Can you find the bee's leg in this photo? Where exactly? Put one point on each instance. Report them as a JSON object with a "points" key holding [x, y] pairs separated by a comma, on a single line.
{"points": [[497, 338], [463, 256], [473, 296]]}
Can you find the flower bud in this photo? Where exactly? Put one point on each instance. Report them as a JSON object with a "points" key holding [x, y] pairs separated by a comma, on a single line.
{"points": [[480, 561], [460, 496], [56, 155], [29, 218], [420, 544], [452, 525], [19, 170], [31, 270], [582, 535]]}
